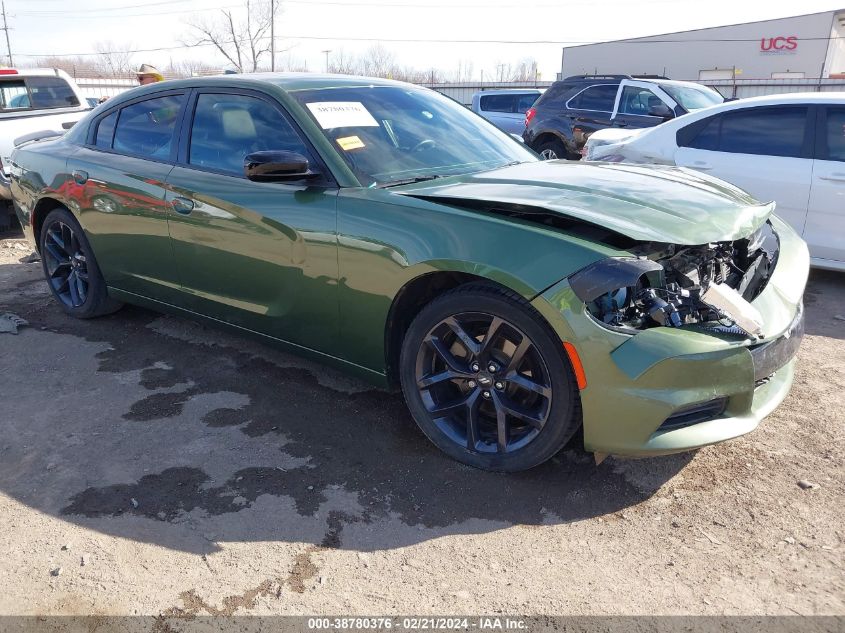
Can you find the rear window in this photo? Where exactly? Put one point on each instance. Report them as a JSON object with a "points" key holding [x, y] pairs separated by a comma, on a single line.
{"points": [[511, 103], [51, 92], [498, 103]]}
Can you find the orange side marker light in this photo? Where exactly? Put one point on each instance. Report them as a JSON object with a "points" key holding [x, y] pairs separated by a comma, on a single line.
{"points": [[577, 367]]}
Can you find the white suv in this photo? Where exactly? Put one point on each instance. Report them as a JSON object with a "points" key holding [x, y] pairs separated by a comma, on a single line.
{"points": [[33, 101], [789, 148]]}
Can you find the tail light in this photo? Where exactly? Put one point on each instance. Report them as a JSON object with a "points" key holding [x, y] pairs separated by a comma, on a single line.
{"points": [[8, 71], [529, 114]]}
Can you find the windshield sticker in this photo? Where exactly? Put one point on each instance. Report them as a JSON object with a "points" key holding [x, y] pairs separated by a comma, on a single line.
{"points": [[332, 114], [350, 142]]}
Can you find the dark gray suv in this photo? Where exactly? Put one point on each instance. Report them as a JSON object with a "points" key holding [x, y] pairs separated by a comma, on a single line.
{"points": [[570, 110]]}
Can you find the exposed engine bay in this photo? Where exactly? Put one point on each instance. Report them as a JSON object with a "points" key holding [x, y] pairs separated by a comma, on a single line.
{"points": [[708, 286]]}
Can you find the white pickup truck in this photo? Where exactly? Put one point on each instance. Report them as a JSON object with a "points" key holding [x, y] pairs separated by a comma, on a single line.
{"points": [[32, 101]]}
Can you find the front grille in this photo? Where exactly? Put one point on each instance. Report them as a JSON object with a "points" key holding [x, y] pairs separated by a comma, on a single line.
{"points": [[694, 414], [771, 356]]}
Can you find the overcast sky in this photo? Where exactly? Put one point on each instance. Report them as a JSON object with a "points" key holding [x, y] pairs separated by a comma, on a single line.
{"points": [[49, 27]]}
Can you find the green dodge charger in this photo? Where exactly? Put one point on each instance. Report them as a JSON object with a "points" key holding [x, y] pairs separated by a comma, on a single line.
{"points": [[387, 230]]}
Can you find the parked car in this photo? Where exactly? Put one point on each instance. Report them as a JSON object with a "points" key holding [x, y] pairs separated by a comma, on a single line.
{"points": [[32, 100], [572, 109], [788, 148], [383, 228], [505, 108]]}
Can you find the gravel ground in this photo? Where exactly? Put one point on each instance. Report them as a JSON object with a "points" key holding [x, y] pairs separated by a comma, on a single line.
{"points": [[151, 465]]}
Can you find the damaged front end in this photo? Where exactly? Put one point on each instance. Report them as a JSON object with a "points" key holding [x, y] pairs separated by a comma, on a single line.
{"points": [[708, 287]]}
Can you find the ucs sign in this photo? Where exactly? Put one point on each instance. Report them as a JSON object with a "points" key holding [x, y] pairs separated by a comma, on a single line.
{"points": [[778, 44]]}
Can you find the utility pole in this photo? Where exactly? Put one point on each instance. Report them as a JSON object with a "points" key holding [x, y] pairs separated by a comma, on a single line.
{"points": [[272, 35], [327, 58], [6, 28]]}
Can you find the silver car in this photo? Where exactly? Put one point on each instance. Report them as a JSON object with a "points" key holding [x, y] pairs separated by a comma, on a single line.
{"points": [[505, 108]]}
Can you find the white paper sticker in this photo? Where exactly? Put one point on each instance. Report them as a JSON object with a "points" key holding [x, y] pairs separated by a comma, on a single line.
{"points": [[332, 114]]}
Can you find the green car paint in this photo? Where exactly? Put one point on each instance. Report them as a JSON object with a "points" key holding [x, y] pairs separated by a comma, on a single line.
{"points": [[317, 268]]}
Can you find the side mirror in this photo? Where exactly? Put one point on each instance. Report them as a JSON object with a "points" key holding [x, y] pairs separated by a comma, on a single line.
{"points": [[662, 110], [277, 166]]}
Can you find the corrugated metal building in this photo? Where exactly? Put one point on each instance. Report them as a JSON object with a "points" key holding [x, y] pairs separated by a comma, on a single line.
{"points": [[788, 49]]}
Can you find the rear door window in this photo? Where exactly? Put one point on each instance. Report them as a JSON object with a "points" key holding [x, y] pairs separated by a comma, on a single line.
{"points": [[778, 131], [768, 131], [147, 128], [597, 98]]}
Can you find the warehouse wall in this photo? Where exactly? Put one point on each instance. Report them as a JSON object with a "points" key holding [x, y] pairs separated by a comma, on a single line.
{"points": [[753, 49]]}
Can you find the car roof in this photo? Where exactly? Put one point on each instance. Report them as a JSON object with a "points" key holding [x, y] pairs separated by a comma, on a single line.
{"points": [[789, 97], [510, 91], [292, 81]]}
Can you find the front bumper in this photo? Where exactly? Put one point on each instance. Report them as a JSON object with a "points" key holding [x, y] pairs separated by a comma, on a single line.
{"points": [[639, 387]]}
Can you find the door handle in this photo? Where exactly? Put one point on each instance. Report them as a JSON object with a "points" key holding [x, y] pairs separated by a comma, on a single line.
{"points": [[182, 205], [79, 177], [838, 176], [700, 164]]}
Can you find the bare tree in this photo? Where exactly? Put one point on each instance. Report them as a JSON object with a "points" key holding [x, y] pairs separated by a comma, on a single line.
{"points": [[343, 63], [464, 72], [244, 43], [74, 66], [114, 59], [189, 68], [377, 61], [525, 70]]}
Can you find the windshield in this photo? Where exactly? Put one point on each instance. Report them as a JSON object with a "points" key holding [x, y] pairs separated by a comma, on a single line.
{"points": [[691, 99], [394, 134]]}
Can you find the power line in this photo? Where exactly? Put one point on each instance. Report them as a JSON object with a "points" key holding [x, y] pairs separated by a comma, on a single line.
{"points": [[431, 41]]}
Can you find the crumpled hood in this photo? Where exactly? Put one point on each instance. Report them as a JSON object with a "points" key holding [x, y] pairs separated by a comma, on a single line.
{"points": [[643, 202]]}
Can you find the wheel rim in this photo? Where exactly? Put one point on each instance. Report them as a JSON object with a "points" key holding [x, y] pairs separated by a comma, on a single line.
{"points": [[484, 383], [67, 267], [548, 154]]}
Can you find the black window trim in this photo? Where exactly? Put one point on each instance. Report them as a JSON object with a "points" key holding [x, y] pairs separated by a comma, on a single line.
{"points": [[808, 145], [186, 124], [821, 149], [90, 136], [31, 108], [575, 96]]}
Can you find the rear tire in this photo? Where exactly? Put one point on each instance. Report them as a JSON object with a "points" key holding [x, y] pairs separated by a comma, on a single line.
{"points": [[486, 380], [552, 150], [71, 270]]}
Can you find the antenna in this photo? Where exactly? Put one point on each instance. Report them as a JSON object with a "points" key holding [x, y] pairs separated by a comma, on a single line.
{"points": [[6, 28]]}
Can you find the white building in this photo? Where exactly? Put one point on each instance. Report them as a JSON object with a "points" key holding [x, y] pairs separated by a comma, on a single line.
{"points": [[803, 47]]}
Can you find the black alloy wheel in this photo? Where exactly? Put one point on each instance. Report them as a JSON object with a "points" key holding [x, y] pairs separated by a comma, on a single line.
{"points": [[65, 264], [71, 269], [487, 380], [483, 383]]}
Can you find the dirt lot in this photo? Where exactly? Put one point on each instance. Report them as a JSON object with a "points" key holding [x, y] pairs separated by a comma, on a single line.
{"points": [[159, 466]]}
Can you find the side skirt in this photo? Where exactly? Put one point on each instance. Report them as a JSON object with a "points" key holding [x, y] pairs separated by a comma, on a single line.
{"points": [[377, 379]]}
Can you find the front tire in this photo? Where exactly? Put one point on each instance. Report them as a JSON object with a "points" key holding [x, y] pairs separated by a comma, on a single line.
{"points": [[486, 380], [71, 269]]}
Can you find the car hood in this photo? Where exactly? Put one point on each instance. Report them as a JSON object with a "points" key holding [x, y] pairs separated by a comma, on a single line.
{"points": [[643, 202]]}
